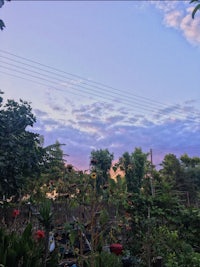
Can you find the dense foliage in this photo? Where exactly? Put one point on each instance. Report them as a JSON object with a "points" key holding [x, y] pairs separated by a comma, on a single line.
{"points": [[151, 213], [20, 150]]}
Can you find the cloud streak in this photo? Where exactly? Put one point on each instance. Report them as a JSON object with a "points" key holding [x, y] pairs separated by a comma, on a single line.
{"points": [[100, 125], [178, 15]]}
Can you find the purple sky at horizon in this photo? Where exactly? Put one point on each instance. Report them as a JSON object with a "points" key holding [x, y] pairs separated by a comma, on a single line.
{"points": [[106, 74]]}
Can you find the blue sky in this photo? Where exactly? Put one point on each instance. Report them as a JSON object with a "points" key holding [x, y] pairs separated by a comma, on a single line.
{"points": [[106, 74]]}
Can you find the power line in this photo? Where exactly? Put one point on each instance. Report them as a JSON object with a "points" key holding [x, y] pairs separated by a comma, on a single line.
{"points": [[146, 106], [72, 84], [94, 88], [59, 89], [73, 75], [39, 83], [97, 94], [106, 86], [70, 74]]}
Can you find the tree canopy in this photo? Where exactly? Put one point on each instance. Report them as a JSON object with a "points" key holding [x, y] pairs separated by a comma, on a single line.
{"points": [[100, 163], [134, 166], [20, 149], [163, 223]]}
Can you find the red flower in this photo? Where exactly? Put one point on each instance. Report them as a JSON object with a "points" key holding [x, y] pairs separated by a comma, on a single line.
{"points": [[15, 213], [39, 234], [116, 249]]}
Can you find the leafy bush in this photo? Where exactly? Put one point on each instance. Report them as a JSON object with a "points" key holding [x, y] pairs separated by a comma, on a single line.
{"points": [[22, 250]]}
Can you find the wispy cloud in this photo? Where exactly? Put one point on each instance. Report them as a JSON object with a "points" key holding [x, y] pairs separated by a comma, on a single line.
{"points": [[40, 113], [98, 126], [178, 15]]}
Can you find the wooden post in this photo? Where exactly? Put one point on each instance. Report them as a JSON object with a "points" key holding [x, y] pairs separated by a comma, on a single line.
{"points": [[151, 178], [149, 247]]}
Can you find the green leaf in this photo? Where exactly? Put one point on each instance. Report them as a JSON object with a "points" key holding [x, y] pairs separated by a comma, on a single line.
{"points": [[192, 1], [27, 232], [45, 213], [195, 10], [2, 25]]}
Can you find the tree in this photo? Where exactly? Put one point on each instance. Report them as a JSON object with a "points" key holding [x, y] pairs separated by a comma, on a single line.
{"points": [[190, 162], [20, 149], [191, 177], [183, 174], [171, 169], [100, 163], [134, 167], [2, 25], [53, 166]]}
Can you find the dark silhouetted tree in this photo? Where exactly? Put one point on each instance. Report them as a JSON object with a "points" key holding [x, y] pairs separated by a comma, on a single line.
{"points": [[100, 162], [134, 166], [20, 149]]}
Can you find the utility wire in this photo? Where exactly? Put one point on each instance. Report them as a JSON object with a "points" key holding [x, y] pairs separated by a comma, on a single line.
{"points": [[77, 76], [149, 102], [94, 89], [51, 87], [141, 103], [73, 75], [39, 83], [59, 89], [189, 149], [70, 83], [97, 94], [94, 93]]}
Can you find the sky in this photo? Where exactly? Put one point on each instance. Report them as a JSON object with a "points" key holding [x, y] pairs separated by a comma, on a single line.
{"points": [[106, 74]]}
